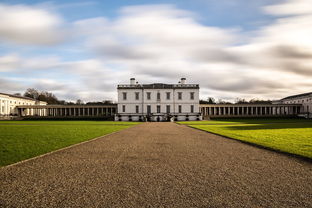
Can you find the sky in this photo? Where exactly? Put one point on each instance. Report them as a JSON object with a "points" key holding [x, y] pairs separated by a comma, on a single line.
{"points": [[247, 49]]}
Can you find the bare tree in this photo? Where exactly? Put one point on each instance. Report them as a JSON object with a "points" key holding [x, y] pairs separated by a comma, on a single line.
{"points": [[240, 101], [79, 102], [31, 93]]}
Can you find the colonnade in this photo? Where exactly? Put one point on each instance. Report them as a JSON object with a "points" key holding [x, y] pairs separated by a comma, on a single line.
{"points": [[4, 107], [67, 111], [252, 110]]}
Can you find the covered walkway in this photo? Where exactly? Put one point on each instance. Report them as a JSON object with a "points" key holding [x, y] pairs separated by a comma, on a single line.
{"points": [[67, 110], [249, 110]]}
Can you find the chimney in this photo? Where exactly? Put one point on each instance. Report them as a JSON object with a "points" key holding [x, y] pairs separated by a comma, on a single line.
{"points": [[183, 80], [132, 81]]}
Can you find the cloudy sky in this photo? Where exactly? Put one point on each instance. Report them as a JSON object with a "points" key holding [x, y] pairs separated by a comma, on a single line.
{"points": [[83, 49]]}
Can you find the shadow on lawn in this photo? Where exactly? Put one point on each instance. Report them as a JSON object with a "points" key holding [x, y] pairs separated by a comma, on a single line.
{"points": [[264, 120], [271, 126]]}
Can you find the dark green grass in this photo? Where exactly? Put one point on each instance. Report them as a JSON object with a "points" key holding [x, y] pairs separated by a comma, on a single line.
{"points": [[20, 140], [287, 135]]}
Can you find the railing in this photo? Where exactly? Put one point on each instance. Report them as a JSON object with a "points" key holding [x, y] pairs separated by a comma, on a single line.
{"points": [[128, 85], [186, 85], [174, 85]]}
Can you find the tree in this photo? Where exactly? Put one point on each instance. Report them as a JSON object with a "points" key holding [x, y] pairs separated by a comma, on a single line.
{"points": [[258, 101], [79, 102], [48, 97], [220, 101], [240, 101], [31, 93], [211, 100], [107, 102]]}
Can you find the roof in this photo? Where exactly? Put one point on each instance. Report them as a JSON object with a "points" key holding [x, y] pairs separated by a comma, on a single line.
{"points": [[247, 105], [158, 86], [297, 96], [17, 96], [68, 106]]}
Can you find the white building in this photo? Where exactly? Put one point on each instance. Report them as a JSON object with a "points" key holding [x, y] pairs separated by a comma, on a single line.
{"points": [[158, 102], [9, 103], [304, 99]]}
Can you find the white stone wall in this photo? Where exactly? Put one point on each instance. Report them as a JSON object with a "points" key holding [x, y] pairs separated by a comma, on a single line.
{"points": [[143, 102], [306, 102], [174, 102], [8, 104]]}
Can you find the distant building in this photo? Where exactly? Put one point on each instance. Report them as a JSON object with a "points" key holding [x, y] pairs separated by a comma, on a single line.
{"points": [[9, 103], [304, 99], [158, 102]]}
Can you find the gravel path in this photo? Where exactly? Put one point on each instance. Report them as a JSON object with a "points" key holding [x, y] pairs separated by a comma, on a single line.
{"points": [[159, 165]]}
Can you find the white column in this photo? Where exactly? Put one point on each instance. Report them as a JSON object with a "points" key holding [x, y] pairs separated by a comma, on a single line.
{"points": [[5, 107], [0, 107]]}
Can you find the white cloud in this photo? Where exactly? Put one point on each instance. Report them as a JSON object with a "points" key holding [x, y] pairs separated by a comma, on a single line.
{"points": [[18, 64], [160, 43], [9, 62], [291, 7], [29, 25]]}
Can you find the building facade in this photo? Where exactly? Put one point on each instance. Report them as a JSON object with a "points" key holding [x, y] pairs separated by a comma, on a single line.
{"points": [[9, 103], [158, 102], [305, 100]]}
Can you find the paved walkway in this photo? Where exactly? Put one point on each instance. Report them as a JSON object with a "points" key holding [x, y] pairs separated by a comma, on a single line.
{"points": [[159, 165]]}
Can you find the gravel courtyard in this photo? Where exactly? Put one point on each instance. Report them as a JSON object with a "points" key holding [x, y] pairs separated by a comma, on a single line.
{"points": [[159, 165]]}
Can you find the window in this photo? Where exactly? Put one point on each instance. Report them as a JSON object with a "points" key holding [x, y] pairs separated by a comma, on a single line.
{"points": [[137, 95], [168, 95], [192, 108], [158, 95], [168, 108], [124, 96], [179, 95], [137, 109], [148, 109], [180, 108], [192, 95], [123, 108], [148, 95], [158, 108]]}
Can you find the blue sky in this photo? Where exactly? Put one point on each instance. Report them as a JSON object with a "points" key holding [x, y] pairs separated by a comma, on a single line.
{"points": [[237, 13], [82, 49]]}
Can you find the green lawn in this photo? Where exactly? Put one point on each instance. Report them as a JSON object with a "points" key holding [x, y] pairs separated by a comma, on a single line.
{"points": [[286, 135], [20, 140]]}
